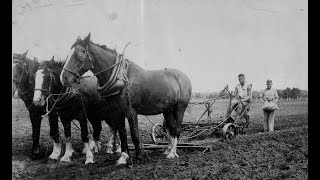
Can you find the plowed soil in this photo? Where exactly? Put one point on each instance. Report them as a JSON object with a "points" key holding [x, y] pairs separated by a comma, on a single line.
{"points": [[280, 154]]}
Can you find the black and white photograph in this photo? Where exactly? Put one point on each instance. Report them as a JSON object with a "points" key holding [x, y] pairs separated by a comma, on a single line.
{"points": [[160, 89]]}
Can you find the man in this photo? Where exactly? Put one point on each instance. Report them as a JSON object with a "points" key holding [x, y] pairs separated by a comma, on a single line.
{"points": [[242, 97], [269, 97]]}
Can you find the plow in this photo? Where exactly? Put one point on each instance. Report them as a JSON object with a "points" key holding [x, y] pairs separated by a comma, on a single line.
{"points": [[222, 129]]}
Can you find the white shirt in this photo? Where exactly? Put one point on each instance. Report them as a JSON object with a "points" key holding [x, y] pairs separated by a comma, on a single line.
{"points": [[242, 91]]}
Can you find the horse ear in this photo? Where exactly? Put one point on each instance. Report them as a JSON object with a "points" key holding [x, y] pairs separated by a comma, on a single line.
{"points": [[87, 39], [25, 54], [52, 59]]}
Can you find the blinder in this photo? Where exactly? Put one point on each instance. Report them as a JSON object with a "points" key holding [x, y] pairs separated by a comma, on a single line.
{"points": [[82, 56]]}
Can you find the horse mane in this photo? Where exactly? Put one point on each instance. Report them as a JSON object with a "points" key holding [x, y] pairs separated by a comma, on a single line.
{"points": [[113, 51], [53, 64]]}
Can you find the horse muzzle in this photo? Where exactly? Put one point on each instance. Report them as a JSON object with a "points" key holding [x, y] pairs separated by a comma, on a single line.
{"points": [[38, 100]]}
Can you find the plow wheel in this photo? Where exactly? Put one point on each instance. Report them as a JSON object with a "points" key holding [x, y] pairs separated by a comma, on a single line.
{"points": [[229, 131], [158, 133]]}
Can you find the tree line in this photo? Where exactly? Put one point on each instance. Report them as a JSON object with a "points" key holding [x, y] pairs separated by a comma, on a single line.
{"points": [[287, 93]]}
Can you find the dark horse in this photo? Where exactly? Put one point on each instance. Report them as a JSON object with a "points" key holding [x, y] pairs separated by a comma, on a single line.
{"points": [[22, 77], [133, 90], [73, 104]]}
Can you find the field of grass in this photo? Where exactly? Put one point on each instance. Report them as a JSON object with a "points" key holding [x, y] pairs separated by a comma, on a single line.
{"points": [[277, 155]]}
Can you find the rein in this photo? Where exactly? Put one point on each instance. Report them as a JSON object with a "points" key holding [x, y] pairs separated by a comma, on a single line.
{"points": [[50, 98]]}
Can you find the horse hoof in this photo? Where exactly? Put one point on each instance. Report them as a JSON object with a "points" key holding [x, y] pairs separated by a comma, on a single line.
{"points": [[172, 155], [54, 157], [89, 160], [166, 152], [123, 158], [65, 159]]}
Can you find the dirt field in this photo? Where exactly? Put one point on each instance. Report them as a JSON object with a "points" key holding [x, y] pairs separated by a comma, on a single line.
{"points": [[278, 155]]}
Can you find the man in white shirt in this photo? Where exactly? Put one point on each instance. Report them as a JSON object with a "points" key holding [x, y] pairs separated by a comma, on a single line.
{"points": [[242, 96]]}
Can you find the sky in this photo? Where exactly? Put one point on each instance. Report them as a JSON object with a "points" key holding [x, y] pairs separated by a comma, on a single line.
{"points": [[211, 41]]}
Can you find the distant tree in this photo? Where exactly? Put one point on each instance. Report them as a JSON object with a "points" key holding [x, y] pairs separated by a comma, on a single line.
{"points": [[295, 93], [255, 93], [286, 93], [226, 94], [279, 91], [304, 93], [198, 95], [212, 95]]}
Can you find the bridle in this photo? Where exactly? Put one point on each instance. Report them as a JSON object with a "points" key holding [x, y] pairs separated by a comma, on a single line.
{"points": [[83, 55], [52, 79], [25, 71]]}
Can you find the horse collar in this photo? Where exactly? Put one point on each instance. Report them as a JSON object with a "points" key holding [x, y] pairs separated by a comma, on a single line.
{"points": [[117, 79]]}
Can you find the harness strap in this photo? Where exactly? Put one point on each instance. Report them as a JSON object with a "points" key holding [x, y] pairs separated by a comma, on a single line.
{"points": [[113, 76]]}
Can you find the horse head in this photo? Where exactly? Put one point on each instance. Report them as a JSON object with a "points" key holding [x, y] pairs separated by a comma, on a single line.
{"points": [[45, 80], [20, 71], [78, 62]]}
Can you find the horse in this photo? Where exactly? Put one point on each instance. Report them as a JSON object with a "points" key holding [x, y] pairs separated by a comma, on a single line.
{"points": [[133, 89], [79, 102], [23, 69]]}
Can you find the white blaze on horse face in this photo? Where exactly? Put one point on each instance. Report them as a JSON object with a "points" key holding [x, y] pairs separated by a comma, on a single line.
{"points": [[38, 85], [56, 151], [68, 59]]}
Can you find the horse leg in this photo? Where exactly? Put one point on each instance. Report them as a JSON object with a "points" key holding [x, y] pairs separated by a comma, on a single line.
{"points": [[67, 132], [54, 133], [164, 125], [174, 127], [121, 128], [85, 139], [95, 145], [133, 123], [169, 120], [112, 146], [35, 118], [117, 146], [111, 140]]}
